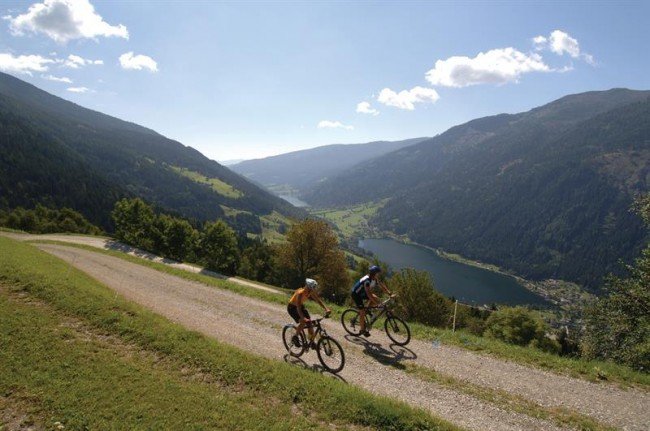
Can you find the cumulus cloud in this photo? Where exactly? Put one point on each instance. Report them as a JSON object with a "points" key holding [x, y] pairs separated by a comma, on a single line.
{"points": [[325, 124], [364, 108], [138, 62], [497, 66], [57, 78], [23, 64], [75, 62], [560, 43], [406, 99], [78, 89], [64, 20]]}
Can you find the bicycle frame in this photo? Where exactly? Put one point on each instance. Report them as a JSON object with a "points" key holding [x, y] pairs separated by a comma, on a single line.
{"points": [[319, 330], [384, 310]]}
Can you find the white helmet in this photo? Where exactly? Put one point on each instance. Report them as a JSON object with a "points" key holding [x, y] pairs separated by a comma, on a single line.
{"points": [[311, 284]]}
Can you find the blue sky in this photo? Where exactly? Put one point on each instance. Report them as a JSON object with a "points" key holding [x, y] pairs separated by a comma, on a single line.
{"points": [[252, 79]]}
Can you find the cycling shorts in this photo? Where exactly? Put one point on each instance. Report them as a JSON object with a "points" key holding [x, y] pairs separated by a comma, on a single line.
{"points": [[293, 312], [358, 299]]}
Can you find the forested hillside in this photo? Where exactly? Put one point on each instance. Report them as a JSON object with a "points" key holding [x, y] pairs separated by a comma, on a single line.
{"points": [[60, 154], [301, 170], [545, 193]]}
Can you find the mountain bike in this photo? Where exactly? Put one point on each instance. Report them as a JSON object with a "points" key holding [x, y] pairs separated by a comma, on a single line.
{"points": [[396, 329], [330, 353]]}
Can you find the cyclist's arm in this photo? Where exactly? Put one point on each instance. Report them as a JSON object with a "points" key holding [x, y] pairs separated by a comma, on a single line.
{"points": [[316, 298], [384, 288], [371, 296]]}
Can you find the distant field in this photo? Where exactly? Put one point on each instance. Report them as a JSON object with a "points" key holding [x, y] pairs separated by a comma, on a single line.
{"points": [[352, 221], [217, 185]]}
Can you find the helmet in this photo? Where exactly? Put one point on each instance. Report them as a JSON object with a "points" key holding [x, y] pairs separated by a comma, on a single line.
{"points": [[311, 284], [374, 269]]}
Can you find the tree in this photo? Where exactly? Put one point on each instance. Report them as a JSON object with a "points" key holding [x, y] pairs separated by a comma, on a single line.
{"points": [[179, 237], [218, 248], [617, 326], [418, 300], [258, 262], [312, 251], [133, 219]]}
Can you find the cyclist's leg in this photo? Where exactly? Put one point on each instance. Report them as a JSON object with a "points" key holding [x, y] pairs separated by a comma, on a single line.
{"points": [[309, 328], [358, 301], [293, 312]]}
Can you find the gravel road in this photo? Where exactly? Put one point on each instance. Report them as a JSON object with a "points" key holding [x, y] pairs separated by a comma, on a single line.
{"points": [[373, 364]]}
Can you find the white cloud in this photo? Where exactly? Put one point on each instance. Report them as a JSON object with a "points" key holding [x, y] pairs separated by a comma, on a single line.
{"points": [[78, 89], [23, 63], [560, 42], [75, 62], [539, 42], [138, 62], [64, 20], [497, 66], [364, 108], [57, 79], [406, 99], [325, 124]]}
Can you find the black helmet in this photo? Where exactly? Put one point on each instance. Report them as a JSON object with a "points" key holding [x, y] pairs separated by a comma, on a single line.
{"points": [[374, 269]]}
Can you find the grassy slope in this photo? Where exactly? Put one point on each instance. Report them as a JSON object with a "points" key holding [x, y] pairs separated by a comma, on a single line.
{"points": [[217, 185], [247, 385], [588, 370], [351, 221]]}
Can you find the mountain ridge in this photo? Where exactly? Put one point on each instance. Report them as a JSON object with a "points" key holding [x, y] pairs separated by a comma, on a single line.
{"points": [[525, 191], [133, 160]]}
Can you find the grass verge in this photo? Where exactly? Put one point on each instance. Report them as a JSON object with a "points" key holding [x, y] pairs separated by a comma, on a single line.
{"points": [[72, 293]]}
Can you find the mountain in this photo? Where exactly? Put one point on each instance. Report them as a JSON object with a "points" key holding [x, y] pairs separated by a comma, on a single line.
{"points": [[301, 170], [56, 152], [545, 193]]}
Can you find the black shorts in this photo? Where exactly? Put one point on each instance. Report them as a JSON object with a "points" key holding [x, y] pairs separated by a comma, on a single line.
{"points": [[358, 300], [293, 312]]}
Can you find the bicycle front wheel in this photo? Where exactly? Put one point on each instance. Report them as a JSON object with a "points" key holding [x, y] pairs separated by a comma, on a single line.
{"points": [[351, 321], [397, 330], [330, 354], [295, 344]]}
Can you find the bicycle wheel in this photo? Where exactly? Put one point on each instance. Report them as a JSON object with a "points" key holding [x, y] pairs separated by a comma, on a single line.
{"points": [[330, 354], [288, 333], [397, 330], [350, 321]]}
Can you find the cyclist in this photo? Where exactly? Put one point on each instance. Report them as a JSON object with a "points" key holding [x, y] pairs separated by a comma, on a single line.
{"points": [[363, 290], [299, 313]]}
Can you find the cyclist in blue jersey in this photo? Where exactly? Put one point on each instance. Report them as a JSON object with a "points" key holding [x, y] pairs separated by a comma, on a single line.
{"points": [[363, 291]]}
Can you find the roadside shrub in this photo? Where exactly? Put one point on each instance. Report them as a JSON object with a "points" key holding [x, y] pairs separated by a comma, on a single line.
{"points": [[418, 300], [520, 326]]}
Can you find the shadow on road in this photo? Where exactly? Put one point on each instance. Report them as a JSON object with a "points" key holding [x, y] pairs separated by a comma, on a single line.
{"points": [[315, 367], [393, 356]]}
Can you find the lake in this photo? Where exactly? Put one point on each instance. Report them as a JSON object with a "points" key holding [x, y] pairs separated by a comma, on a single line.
{"points": [[467, 283], [294, 201]]}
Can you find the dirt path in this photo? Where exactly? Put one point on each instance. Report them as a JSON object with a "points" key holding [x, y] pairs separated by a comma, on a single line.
{"points": [[255, 325], [111, 244]]}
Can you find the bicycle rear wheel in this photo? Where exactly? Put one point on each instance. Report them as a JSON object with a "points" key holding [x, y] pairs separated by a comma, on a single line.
{"points": [[294, 349], [330, 354], [397, 330], [351, 322]]}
